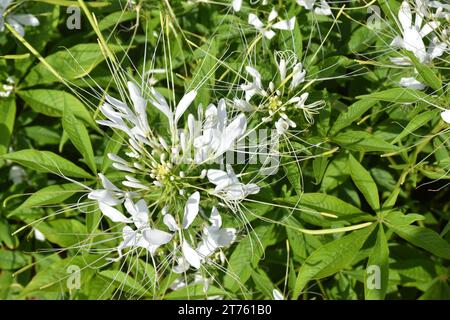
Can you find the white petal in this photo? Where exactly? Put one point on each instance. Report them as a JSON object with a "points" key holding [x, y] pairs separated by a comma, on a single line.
{"points": [[237, 5], [16, 25], [161, 104], [405, 15], [215, 218], [38, 235], [411, 83], [273, 15], [269, 34], [445, 115], [254, 21], [105, 196], [170, 222], [157, 237], [184, 103], [190, 255], [285, 24], [107, 184], [112, 213], [277, 295], [218, 177], [191, 209], [26, 19]]}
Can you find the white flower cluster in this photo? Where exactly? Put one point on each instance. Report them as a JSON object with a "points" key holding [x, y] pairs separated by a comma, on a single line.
{"points": [[273, 103], [172, 168]]}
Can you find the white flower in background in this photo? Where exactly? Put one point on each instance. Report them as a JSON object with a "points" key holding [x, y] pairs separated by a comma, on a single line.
{"points": [[7, 88], [289, 70], [411, 83], [143, 236], [215, 237], [266, 30], [17, 174], [445, 115], [237, 4], [39, 236], [442, 10], [277, 295], [217, 135], [17, 21], [413, 33], [322, 9], [228, 185]]}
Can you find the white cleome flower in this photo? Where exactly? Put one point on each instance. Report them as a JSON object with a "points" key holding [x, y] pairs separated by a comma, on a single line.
{"points": [[17, 21], [228, 185], [322, 9], [413, 33], [266, 30]]}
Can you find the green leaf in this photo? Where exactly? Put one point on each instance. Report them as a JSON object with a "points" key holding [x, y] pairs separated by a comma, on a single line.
{"points": [[398, 219], [363, 141], [46, 161], [353, 113], [426, 72], [325, 203], [293, 174], [12, 260], [417, 122], [72, 63], [115, 18], [364, 182], [79, 136], [400, 95], [204, 73], [52, 103], [57, 276], [424, 238], [331, 258], [246, 256], [64, 232], [7, 118], [124, 282], [113, 145], [378, 262], [50, 195]]}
